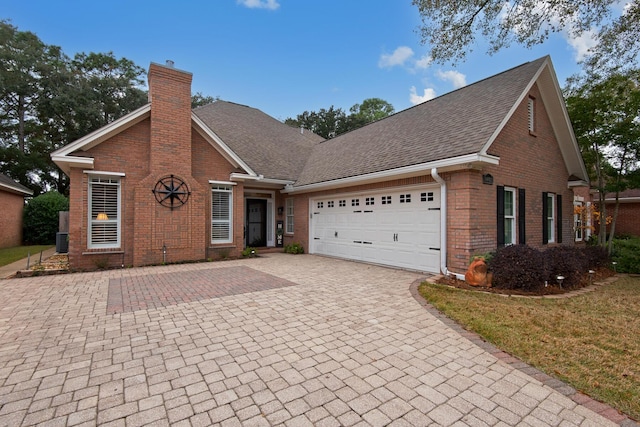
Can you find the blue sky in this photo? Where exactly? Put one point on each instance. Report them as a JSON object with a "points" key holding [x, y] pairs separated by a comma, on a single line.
{"points": [[280, 56]]}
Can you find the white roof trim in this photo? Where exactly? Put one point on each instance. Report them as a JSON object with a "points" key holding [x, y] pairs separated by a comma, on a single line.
{"points": [[242, 176], [212, 181], [219, 145], [104, 173], [16, 189], [461, 162]]}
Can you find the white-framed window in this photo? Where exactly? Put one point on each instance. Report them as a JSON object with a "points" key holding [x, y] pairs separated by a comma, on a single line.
{"points": [[509, 216], [221, 213], [289, 217], [578, 222], [104, 212], [550, 216], [531, 111]]}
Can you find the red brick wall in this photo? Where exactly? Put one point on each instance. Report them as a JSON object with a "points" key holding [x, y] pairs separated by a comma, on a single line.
{"points": [[11, 219], [628, 220]]}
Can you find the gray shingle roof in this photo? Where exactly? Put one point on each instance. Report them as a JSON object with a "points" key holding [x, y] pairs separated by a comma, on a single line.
{"points": [[267, 145], [455, 124], [9, 184]]}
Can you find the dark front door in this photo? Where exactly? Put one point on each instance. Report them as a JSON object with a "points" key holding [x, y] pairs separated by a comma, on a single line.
{"points": [[256, 223]]}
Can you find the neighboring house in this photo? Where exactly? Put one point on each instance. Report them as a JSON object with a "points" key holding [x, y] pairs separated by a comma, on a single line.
{"points": [[628, 220], [490, 164], [12, 197]]}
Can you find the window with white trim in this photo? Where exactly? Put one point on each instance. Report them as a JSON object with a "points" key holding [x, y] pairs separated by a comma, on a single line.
{"points": [[104, 212], [289, 216], [509, 216], [221, 213], [550, 216]]}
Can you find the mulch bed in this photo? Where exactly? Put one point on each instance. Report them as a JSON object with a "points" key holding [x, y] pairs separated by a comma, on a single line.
{"points": [[599, 275]]}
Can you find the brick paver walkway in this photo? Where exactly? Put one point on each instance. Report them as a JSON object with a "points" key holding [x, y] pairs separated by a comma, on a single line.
{"points": [[160, 290], [348, 345]]}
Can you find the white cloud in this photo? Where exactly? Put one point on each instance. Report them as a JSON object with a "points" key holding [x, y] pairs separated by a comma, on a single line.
{"points": [[398, 57], [416, 99], [424, 62], [582, 44], [260, 4], [456, 78]]}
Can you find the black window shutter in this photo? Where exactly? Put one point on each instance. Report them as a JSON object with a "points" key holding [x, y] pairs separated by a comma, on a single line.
{"points": [[545, 229], [500, 224], [559, 221], [522, 236]]}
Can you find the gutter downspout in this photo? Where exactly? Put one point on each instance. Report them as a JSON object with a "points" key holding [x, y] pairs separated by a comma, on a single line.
{"points": [[443, 226]]}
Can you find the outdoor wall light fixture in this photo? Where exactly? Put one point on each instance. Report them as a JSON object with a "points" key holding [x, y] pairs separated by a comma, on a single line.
{"points": [[487, 178], [591, 272], [280, 210], [560, 280], [102, 216], [614, 266]]}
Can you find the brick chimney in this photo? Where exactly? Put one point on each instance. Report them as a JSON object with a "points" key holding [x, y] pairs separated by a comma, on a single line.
{"points": [[170, 97]]}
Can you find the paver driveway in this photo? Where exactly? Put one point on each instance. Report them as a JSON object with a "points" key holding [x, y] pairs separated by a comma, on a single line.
{"points": [[277, 340]]}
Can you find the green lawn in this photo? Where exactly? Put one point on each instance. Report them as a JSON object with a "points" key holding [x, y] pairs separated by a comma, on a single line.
{"points": [[591, 342], [9, 255]]}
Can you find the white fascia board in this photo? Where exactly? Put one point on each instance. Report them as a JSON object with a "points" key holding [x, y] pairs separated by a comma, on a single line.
{"points": [[105, 132], [213, 181], [220, 146], [579, 183], [66, 162], [453, 163], [13, 189], [277, 181], [235, 176], [103, 173]]}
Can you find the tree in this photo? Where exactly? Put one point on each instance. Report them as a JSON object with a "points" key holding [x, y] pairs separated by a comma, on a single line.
{"points": [[41, 217], [198, 100], [606, 117], [48, 100], [25, 64], [451, 27], [370, 110], [332, 122], [326, 123]]}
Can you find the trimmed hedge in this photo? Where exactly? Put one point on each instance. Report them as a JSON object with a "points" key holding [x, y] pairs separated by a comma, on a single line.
{"points": [[40, 220], [525, 268]]}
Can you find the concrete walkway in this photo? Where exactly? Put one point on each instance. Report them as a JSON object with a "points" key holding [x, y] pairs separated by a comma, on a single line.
{"points": [[11, 269], [276, 340]]}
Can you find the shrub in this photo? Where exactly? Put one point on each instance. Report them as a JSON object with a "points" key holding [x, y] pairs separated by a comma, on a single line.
{"points": [[518, 267], [41, 217], [626, 253], [294, 248], [566, 261], [249, 252], [596, 256]]}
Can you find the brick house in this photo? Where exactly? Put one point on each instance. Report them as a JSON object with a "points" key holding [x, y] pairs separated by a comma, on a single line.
{"points": [[628, 220], [493, 163], [12, 197]]}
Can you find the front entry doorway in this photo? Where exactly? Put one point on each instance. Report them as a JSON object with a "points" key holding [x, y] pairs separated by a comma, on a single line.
{"points": [[256, 223]]}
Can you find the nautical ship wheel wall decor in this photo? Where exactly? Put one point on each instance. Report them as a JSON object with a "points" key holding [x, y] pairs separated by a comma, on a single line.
{"points": [[171, 191]]}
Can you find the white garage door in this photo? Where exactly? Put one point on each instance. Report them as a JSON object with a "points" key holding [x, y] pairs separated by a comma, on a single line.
{"points": [[399, 228]]}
